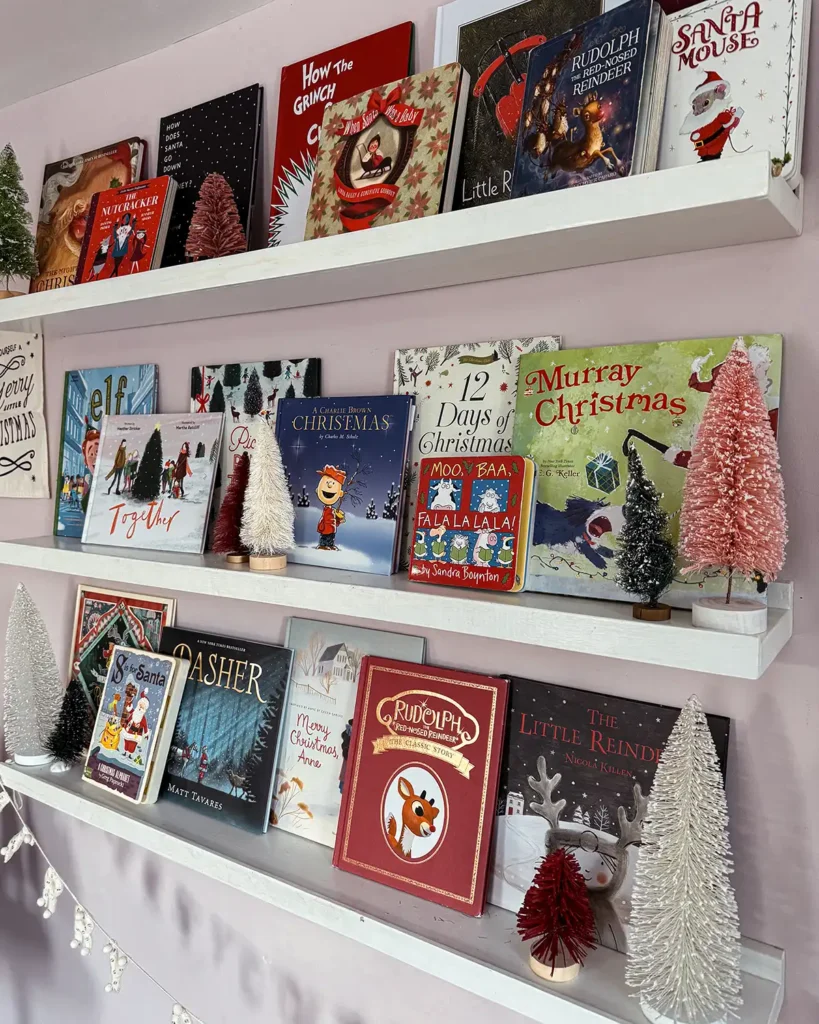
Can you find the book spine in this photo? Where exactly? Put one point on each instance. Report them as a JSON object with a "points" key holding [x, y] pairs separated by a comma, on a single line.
{"points": [[86, 242], [283, 709], [59, 487], [456, 138], [358, 728]]}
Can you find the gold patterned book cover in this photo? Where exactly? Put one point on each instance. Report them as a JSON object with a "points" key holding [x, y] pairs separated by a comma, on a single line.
{"points": [[389, 154]]}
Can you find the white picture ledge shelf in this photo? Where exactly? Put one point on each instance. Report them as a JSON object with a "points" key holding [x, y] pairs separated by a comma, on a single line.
{"points": [[722, 203], [543, 620], [482, 955]]}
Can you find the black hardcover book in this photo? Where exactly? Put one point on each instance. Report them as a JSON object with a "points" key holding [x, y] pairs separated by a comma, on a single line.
{"points": [[495, 51], [596, 750], [226, 742], [593, 101], [221, 136]]}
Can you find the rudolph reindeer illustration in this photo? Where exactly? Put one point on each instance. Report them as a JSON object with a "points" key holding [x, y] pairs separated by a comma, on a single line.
{"points": [[569, 155], [417, 817], [603, 862]]}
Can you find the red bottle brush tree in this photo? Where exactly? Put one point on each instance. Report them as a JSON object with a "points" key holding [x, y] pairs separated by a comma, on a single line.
{"points": [[215, 226], [557, 914], [733, 512], [225, 538]]}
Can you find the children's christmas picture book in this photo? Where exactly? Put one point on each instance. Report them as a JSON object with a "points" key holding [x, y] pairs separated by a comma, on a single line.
{"points": [[578, 414], [225, 746], [306, 88], [594, 101], [465, 402], [129, 749], [473, 522], [68, 188], [577, 773], [389, 154], [737, 83], [248, 390], [154, 481], [344, 459], [126, 229], [422, 780], [104, 618], [494, 47], [88, 396], [319, 719], [220, 136]]}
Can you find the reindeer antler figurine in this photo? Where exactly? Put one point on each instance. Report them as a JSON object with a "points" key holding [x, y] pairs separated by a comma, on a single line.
{"points": [[603, 862]]}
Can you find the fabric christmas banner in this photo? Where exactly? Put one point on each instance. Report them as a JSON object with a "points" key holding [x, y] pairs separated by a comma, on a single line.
{"points": [[23, 442]]}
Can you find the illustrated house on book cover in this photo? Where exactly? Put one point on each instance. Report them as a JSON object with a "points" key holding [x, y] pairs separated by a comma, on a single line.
{"points": [[737, 83], [389, 154], [593, 101], [306, 88], [228, 730], [344, 459], [68, 186], [578, 415], [465, 401], [493, 46], [577, 772], [422, 781], [153, 483], [129, 746], [316, 736], [88, 396]]}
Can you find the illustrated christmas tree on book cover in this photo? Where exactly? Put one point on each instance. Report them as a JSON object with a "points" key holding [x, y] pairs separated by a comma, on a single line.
{"points": [[572, 765], [577, 414], [154, 481]]}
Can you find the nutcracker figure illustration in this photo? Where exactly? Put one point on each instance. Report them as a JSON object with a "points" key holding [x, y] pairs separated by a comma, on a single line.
{"points": [[712, 118]]}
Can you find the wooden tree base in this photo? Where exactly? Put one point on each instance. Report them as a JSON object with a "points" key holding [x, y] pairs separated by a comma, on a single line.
{"points": [[660, 1018], [739, 616], [237, 558], [268, 563], [558, 976], [659, 614], [32, 760], [9, 295]]}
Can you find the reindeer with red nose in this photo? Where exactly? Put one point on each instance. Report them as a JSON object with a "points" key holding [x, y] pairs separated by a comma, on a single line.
{"points": [[417, 817], [569, 155]]}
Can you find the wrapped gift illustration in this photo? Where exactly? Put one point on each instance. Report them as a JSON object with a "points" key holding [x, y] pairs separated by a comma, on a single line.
{"points": [[602, 472]]}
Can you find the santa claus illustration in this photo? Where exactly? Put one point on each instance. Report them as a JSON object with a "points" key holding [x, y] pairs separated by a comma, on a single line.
{"points": [[712, 118], [137, 728]]}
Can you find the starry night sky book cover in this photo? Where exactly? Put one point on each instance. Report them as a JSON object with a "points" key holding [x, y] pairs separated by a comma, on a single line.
{"points": [[580, 756], [225, 747], [219, 136], [580, 111], [345, 459]]}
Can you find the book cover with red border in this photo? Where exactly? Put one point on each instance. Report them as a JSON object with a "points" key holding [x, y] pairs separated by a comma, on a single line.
{"points": [[421, 781], [307, 87], [124, 226]]}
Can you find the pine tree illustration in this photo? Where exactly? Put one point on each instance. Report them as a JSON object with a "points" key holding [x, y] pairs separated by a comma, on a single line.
{"points": [[290, 486], [233, 375], [214, 451], [253, 395], [17, 257], [215, 229], [400, 373], [196, 382], [272, 369], [303, 500], [391, 504], [149, 475], [200, 450], [291, 392], [217, 399], [371, 510]]}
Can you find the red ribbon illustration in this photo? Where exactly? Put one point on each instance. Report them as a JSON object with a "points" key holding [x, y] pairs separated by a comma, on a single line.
{"points": [[379, 103]]}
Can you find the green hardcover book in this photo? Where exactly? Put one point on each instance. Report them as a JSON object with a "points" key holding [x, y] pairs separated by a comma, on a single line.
{"points": [[578, 411]]}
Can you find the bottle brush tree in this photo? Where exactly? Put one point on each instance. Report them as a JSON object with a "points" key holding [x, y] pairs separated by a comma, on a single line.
{"points": [[225, 539], [253, 394], [215, 228], [17, 257], [33, 690], [149, 474], [268, 516], [556, 913], [646, 557], [684, 943], [71, 734], [733, 511]]}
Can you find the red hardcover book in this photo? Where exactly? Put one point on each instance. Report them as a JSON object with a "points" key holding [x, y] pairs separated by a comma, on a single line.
{"points": [[421, 781], [307, 87], [473, 521], [126, 229]]}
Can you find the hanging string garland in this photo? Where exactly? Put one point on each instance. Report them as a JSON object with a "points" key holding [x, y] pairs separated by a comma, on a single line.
{"points": [[84, 923]]}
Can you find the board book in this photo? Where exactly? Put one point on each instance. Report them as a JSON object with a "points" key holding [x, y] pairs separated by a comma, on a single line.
{"points": [[129, 747], [473, 522], [319, 719]]}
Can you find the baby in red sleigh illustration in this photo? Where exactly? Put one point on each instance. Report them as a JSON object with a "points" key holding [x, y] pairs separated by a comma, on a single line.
{"points": [[712, 118]]}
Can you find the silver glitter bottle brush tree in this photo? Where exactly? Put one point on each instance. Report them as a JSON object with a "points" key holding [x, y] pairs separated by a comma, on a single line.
{"points": [[33, 690], [684, 942]]}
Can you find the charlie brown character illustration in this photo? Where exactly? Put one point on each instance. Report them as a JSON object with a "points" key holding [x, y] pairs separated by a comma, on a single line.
{"points": [[712, 118], [329, 492]]}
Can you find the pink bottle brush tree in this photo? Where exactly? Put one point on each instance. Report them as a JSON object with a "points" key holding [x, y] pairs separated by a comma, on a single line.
{"points": [[733, 512]]}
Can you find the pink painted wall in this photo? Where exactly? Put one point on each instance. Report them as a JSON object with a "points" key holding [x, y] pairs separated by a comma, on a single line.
{"points": [[223, 954]]}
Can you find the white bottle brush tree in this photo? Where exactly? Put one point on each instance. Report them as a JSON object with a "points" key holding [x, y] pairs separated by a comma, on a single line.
{"points": [[268, 515], [684, 944], [33, 690]]}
